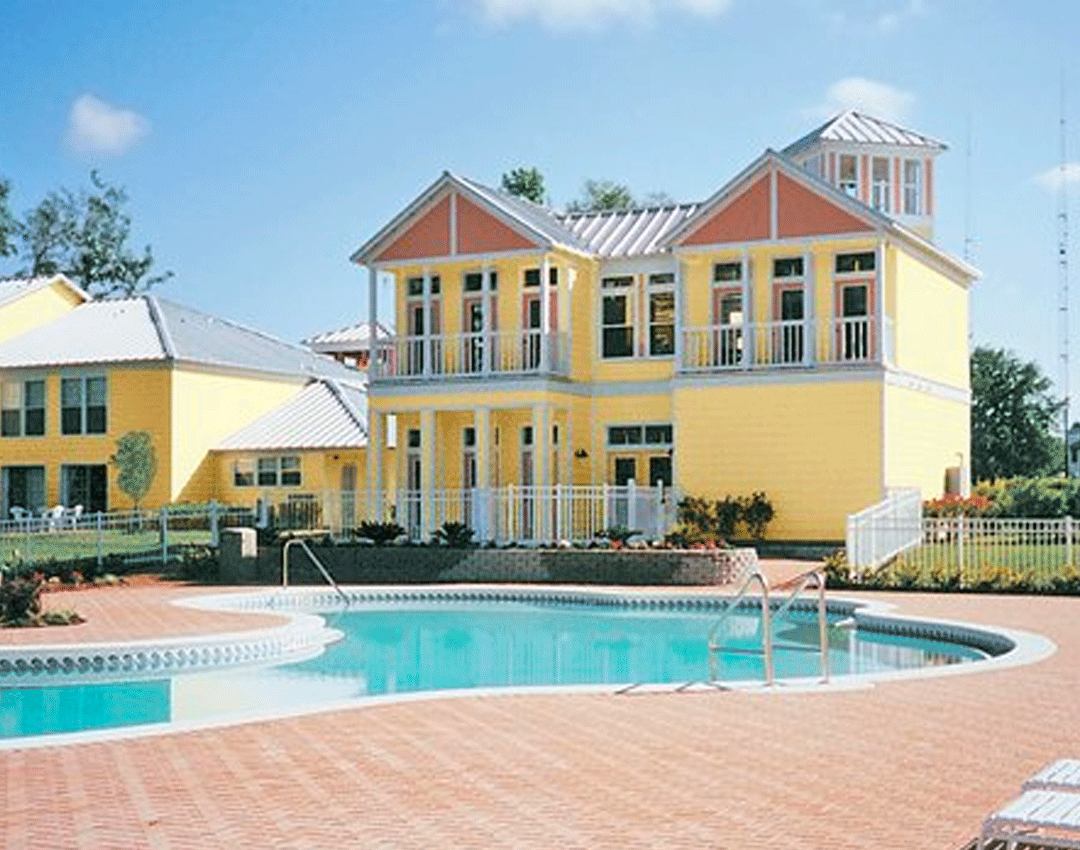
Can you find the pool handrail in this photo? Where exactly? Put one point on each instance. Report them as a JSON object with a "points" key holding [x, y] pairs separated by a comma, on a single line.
{"points": [[319, 564], [811, 579], [766, 626]]}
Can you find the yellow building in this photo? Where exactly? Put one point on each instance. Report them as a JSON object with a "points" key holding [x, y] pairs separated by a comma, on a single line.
{"points": [[796, 333], [28, 303], [74, 384]]}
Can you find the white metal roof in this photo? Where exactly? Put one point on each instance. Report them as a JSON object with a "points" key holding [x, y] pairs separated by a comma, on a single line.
{"points": [[627, 233], [146, 328], [323, 415], [860, 128], [352, 338]]}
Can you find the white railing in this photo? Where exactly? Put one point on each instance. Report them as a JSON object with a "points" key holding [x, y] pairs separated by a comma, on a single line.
{"points": [[882, 531], [523, 352], [788, 343]]}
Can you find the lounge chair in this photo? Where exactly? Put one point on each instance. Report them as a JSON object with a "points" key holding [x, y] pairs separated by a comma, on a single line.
{"points": [[1037, 818]]}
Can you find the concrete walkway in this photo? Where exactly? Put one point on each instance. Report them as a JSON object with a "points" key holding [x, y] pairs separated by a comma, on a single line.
{"points": [[908, 764]]}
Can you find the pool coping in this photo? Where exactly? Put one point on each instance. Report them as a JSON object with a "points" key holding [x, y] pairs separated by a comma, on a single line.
{"points": [[305, 635]]}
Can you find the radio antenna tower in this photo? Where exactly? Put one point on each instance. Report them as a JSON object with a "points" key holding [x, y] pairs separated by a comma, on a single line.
{"points": [[1063, 277]]}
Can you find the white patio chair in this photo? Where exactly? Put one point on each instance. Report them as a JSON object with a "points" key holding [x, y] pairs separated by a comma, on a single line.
{"points": [[73, 514], [1060, 775], [1045, 819], [55, 516]]}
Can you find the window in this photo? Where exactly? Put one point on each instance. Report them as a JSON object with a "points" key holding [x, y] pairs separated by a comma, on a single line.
{"points": [[532, 276], [617, 317], [244, 473], [269, 472], [880, 195], [814, 165], [658, 435], [788, 267], [82, 405], [913, 187], [623, 435], [849, 175], [415, 285], [640, 435], [23, 409], [661, 314], [85, 485], [474, 281], [863, 261], [414, 438], [469, 437], [727, 272]]}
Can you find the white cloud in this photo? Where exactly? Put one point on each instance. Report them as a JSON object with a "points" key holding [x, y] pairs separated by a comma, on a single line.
{"points": [[592, 14], [1053, 178], [892, 20], [878, 99], [97, 127]]}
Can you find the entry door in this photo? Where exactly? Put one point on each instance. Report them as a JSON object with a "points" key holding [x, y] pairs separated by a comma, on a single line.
{"points": [[24, 487], [412, 495], [789, 336], [728, 317], [528, 499], [625, 470], [854, 330], [348, 496], [85, 485], [660, 471], [423, 328]]}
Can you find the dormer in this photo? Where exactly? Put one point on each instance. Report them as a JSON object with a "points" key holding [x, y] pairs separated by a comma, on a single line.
{"points": [[884, 166]]}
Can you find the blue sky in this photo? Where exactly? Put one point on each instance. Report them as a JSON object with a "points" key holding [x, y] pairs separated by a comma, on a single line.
{"points": [[262, 142]]}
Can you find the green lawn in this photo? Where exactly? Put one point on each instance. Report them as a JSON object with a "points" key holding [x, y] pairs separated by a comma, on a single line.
{"points": [[38, 547]]}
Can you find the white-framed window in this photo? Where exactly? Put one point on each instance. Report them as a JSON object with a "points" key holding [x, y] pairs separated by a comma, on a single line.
{"points": [[279, 471], [414, 286], [661, 316], [815, 165], [474, 281], [660, 435], [23, 409], [848, 178], [83, 405], [617, 316], [531, 277], [853, 263], [244, 472], [881, 184], [913, 187]]}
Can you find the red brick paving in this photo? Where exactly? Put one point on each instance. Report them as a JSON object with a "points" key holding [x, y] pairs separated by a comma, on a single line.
{"points": [[907, 764]]}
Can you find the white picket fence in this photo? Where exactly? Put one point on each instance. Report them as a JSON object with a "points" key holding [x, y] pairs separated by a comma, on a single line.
{"points": [[884, 530]]}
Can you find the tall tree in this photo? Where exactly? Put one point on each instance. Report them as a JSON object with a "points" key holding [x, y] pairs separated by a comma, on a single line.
{"points": [[84, 236], [1013, 417], [136, 464], [9, 227], [602, 196], [527, 183]]}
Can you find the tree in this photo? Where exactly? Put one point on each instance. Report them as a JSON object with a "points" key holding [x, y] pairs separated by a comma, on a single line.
{"points": [[83, 236], [136, 464], [1013, 417], [602, 196], [9, 227], [527, 183]]}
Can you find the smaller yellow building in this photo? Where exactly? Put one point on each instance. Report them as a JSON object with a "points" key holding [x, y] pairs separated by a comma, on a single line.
{"points": [[70, 386]]}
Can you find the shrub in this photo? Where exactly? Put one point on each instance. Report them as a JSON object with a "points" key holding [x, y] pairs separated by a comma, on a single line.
{"points": [[757, 513], [455, 535], [20, 600], [380, 533], [727, 513], [953, 505]]}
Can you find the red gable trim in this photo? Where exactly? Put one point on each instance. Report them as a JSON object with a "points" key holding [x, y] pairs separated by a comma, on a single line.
{"points": [[479, 232], [744, 219], [802, 212], [428, 236]]}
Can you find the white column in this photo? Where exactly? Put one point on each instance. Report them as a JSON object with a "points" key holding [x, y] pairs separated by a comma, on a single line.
{"points": [[545, 314], [809, 308], [427, 472], [541, 424], [680, 314], [482, 426], [376, 446], [487, 340], [373, 307], [426, 344], [883, 346], [750, 316]]}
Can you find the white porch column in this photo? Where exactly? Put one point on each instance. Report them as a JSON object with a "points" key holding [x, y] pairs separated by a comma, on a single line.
{"points": [[810, 344], [541, 422], [482, 426], [427, 345], [883, 346], [427, 472], [545, 315], [680, 314], [373, 309], [748, 354], [487, 338], [376, 447]]}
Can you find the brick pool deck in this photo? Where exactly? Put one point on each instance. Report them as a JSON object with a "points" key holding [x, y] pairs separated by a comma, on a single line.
{"points": [[906, 764]]}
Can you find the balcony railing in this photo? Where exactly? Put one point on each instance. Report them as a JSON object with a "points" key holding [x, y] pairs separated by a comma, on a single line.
{"points": [[784, 344], [527, 352]]}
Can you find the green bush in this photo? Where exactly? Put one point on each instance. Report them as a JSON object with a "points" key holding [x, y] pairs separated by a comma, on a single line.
{"points": [[20, 600], [757, 513], [380, 533], [455, 535]]}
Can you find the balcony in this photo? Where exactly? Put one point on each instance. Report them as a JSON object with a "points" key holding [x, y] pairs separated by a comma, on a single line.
{"points": [[787, 344], [472, 355]]}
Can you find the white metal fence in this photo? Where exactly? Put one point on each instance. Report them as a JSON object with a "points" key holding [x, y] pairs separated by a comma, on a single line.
{"points": [[884, 530]]}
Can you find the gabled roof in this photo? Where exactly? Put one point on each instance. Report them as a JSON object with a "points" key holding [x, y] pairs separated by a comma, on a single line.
{"points": [[627, 233], [352, 338], [531, 220], [12, 289], [147, 328], [325, 414], [860, 128]]}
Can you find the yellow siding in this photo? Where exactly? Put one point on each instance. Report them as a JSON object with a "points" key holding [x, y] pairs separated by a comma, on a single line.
{"points": [[209, 406], [814, 449], [931, 322], [36, 308], [925, 435], [320, 472]]}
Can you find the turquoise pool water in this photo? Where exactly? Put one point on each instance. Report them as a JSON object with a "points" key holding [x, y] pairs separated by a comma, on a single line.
{"points": [[410, 647]]}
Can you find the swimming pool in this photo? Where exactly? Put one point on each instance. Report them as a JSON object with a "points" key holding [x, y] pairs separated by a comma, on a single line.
{"points": [[395, 641]]}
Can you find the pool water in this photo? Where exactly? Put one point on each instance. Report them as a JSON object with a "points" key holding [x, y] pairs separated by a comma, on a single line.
{"points": [[411, 647]]}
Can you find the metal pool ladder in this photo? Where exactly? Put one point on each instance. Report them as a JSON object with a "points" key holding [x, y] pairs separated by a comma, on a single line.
{"points": [[804, 581], [319, 564]]}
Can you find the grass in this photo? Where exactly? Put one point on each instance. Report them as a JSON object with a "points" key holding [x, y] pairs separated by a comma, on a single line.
{"points": [[40, 547]]}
